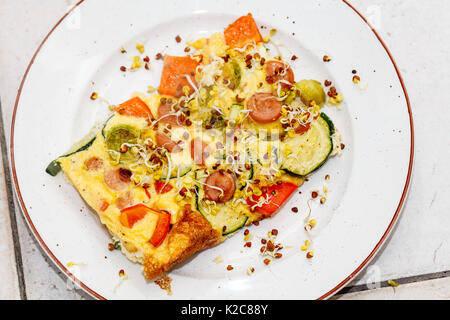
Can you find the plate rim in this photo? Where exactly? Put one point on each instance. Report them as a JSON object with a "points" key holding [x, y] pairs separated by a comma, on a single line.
{"points": [[326, 295]]}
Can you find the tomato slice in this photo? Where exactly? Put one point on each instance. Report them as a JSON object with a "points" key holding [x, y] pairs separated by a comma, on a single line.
{"points": [[134, 107], [129, 216], [276, 195], [161, 187], [161, 230]]}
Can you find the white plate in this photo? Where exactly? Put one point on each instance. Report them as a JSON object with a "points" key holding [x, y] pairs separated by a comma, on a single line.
{"points": [[368, 182]]}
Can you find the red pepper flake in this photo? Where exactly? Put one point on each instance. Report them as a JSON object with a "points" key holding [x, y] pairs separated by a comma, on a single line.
{"points": [[262, 249], [278, 255], [123, 68], [267, 261], [111, 246], [158, 56], [294, 57], [327, 83], [342, 146], [147, 66], [294, 209], [121, 273], [256, 223], [270, 246], [146, 59], [274, 232], [263, 241], [248, 244], [230, 267], [187, 49], [314, 194], [246, 232], [178, 39], [326, 58]]}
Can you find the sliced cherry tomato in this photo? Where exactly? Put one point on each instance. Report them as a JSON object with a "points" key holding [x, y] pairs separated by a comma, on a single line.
{"points": [[134, 107], [161, 187], [129, 216], [161, 230], [274, 195]]}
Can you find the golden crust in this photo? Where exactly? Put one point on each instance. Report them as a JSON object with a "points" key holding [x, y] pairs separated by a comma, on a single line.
{"points": [[189, 235]]}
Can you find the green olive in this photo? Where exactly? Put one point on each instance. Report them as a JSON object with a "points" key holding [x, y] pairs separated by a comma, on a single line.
{"points": [[117, 136], [311, 90], [233, 72]]}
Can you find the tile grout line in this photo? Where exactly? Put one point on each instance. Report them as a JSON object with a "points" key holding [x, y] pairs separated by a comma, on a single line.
{"points": [[400, 281], [12, 210]]}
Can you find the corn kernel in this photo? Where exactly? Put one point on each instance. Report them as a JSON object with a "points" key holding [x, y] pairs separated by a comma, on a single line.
{"points": [[273, 31], [151, 89], [266, 39], [199, 44], [313, 222], [304, 248], [140, 47]]}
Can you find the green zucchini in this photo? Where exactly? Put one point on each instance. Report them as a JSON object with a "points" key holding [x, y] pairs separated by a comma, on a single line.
{"points": [[226, 219], [55, 166], [310, 149]]}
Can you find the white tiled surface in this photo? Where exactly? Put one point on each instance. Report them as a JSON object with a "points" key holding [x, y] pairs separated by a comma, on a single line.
{"points": [[417, 33]]}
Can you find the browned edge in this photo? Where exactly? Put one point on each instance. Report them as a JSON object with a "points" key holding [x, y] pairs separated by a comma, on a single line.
{"points": [[326, 295]]}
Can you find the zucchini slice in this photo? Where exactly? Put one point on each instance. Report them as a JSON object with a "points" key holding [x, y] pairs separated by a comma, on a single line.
{"points": [[225, 219], [181, 163], [305, 153], [55, 167]]}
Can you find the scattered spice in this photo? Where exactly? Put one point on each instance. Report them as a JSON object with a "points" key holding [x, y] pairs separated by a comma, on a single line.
{"points": [[326, 58], [178, 39], [164, 284], [267, 261], [327, 83], [356, 79], [123, 68], [230, 267], [294, 57], [314, 194], [94, 95], [158, 56]]}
